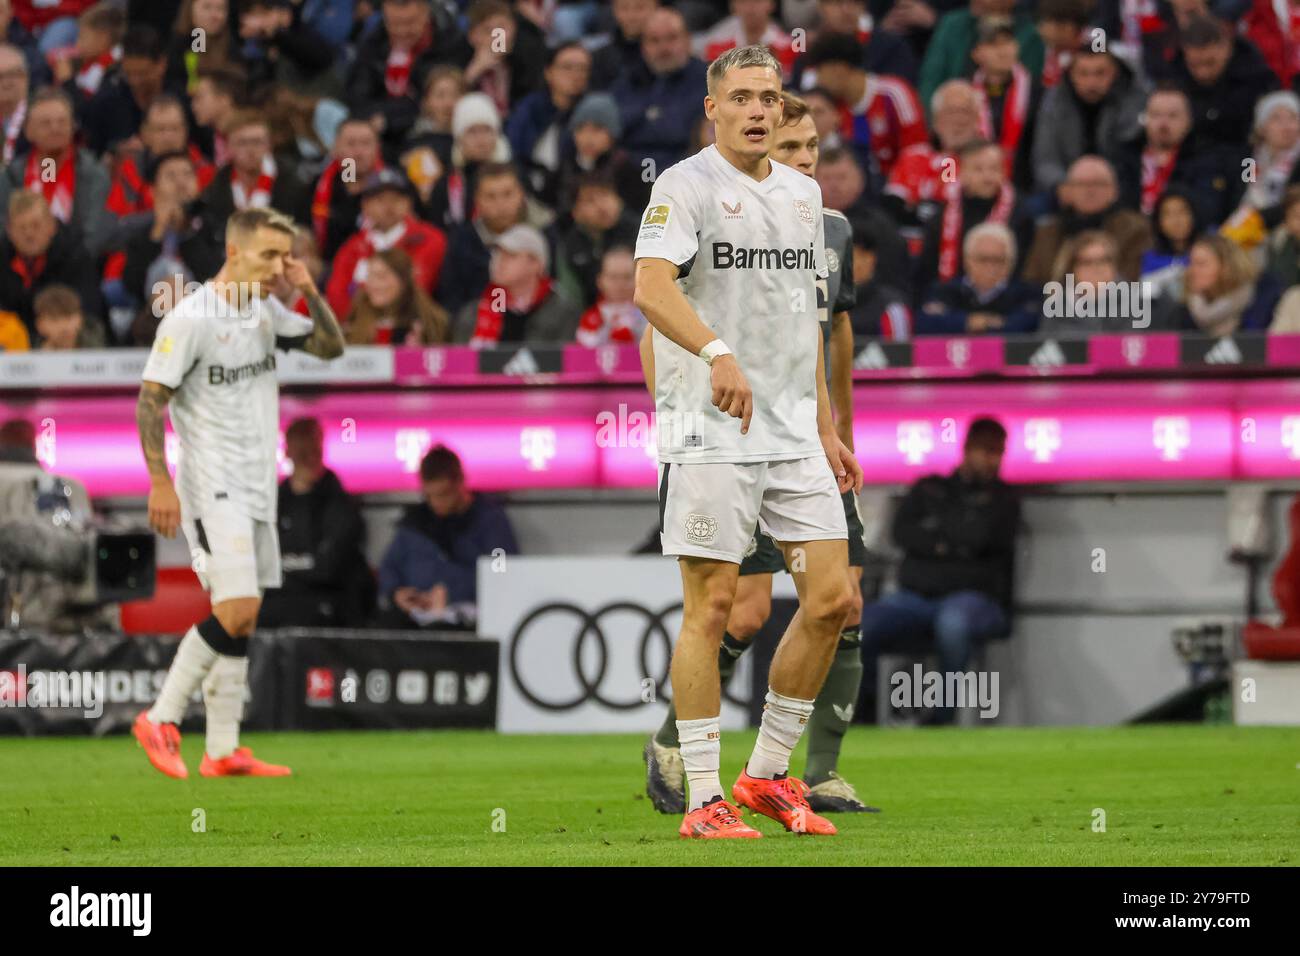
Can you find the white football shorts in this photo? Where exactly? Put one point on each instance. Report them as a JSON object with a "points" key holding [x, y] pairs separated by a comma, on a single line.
{"points": [[234, 555], [710, 509]]}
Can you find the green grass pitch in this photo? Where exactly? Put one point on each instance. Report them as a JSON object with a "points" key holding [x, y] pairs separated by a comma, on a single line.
{"points": [[1189, 795]]}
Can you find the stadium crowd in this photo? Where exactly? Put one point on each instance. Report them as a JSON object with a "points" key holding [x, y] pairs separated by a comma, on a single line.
{"points": [[473, 171]]}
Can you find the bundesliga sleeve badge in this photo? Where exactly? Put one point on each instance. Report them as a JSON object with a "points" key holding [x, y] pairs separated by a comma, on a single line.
{"points": [[655, 222]]}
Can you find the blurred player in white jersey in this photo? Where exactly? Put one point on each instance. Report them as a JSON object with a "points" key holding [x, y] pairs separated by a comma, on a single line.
{"points": [[729, 254], [213, 361], [796, 144]]}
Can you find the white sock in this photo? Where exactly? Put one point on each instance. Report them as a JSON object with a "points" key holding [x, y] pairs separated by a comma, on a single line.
{"points": [[194, 658], [784, 719], [701, 742], [223, 698]]}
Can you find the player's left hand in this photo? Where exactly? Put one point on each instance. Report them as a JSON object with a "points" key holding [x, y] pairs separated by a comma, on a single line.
{"points": [[296, 272], [848, 473]]}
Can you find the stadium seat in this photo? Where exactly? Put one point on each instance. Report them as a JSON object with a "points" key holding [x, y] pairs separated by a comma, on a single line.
{"points": [[178, 602], [1282, 643]]}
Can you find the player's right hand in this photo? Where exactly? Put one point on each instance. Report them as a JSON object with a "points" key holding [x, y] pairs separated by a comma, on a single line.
{"points": [[731, 392], [164, 509]]}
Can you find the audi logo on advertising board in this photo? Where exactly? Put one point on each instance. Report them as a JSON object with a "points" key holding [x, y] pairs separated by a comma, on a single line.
{"points": [[586, 643]]}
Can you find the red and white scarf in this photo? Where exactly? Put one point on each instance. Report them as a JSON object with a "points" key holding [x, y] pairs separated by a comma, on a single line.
{"points": [[487, 328], [91, 73], [1015, 108], [951, 227], [14, 129], [260, 197], [60, 192], [378, 241], [1155, 176], [397, 70], [1055, 63], [607, 322]]}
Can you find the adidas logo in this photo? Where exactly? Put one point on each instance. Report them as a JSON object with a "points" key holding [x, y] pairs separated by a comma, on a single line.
{"points": [[1224, 352], [521, 363], [1047, 355], [872, 357]]}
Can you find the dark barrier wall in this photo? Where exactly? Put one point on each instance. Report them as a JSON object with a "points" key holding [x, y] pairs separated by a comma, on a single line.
{"points": [[298, 680]]}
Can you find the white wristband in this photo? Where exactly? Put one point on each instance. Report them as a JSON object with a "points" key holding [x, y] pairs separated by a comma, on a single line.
{"points": [[713, 350]]}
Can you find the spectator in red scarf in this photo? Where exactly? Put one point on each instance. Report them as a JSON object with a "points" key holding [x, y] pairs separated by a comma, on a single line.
{"points": [[38, 251], [614, 318], [336, 204], [254, 177], [74, 185], [1008, 95], [14, 88], [1061, 26], [982, 193], [388, 223], [388, 75], [880, 116], [81, 69], [165, 130], [520, 304], [1165, 156]]}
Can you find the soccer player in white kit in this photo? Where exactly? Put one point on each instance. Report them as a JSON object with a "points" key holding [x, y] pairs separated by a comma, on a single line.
{"points": [[213, 361], [728, 256]]}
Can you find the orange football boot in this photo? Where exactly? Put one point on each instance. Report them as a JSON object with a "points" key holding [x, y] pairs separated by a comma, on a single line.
{"points": [[718, 820], [784, 799], [241, 763], [162, 743]]}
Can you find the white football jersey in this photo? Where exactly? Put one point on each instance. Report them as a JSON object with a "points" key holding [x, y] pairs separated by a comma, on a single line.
{"points": [[226, 408], [750, 255]]}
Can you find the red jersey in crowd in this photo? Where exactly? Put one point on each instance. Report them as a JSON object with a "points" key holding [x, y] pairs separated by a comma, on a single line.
{"points": [[424, 243], [892, 113], [729, 34]]}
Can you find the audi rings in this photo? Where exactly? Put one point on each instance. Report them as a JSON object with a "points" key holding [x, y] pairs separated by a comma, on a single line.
{"points": [[587, 629]]}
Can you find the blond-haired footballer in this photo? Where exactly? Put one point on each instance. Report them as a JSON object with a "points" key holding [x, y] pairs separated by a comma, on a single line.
{"points": [[213, 364]]}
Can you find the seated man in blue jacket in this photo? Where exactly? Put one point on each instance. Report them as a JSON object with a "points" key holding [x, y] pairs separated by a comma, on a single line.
{"points": [[986, 298], [428, 574]]}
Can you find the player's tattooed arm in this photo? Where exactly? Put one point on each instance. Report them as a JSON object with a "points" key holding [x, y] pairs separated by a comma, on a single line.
{"points": [[150, 410], [326, 339], [164, 505]]}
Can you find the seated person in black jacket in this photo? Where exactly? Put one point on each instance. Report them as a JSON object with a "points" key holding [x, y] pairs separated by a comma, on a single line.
{"points": [[326, 579], [958, 535]]}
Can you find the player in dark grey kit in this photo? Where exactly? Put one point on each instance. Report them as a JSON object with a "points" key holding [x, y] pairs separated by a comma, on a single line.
{"points": [[795, 145]]}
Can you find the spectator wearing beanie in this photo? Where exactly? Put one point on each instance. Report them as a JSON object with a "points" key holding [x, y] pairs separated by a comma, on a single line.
{"points": [[477, 138], [592, 147]]}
